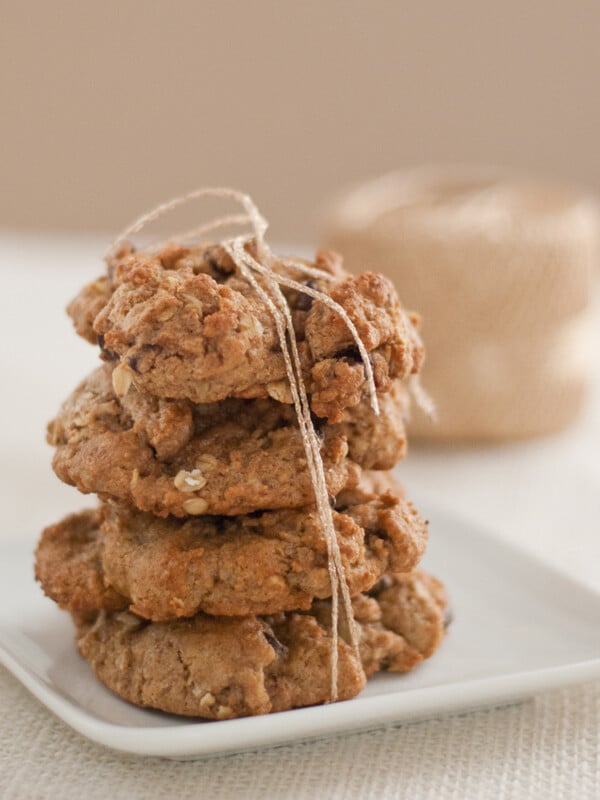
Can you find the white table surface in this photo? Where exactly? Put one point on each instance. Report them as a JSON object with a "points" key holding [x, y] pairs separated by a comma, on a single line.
{"points": [[543, 494]]}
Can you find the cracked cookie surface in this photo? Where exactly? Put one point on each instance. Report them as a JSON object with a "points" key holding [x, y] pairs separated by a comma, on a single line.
{"points": [[255, 564], [233, 457], [223, 667], [181, 323], [68, 564]]}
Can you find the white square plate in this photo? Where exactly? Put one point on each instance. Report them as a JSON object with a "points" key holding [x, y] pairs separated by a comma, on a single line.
{"points": [[519, 627]]}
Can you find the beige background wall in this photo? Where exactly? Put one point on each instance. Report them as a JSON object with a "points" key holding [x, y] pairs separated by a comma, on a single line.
{"points": [[108, 107]]}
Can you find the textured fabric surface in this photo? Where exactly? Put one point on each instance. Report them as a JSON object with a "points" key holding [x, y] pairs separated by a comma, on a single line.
{"points": [[548, 747]]}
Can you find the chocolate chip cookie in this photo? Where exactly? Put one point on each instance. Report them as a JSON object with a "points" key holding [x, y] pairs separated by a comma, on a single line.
{"points": [[183, 323], [256, 564], [226, 667], [202, 584], [233, 457]]}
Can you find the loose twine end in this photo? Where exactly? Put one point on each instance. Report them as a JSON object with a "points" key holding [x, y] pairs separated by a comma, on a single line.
{"points": [[422, 398]]}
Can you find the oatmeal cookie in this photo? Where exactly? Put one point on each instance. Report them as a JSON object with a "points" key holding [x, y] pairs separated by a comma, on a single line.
{"points": [[233, 457], [224, 667], [257, 564], [182, 323], [403, 619], [68, 564]]}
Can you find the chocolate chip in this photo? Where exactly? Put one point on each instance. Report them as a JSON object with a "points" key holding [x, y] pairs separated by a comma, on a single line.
{"points": [[133, 361], [318, 424], [108, 355], [211, 256], [349, 355], [380, 533], [380, 586], [279, 648], [305, 301]]}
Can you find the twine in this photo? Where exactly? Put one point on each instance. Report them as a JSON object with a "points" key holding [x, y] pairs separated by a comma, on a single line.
{"points": [[252, 268]]}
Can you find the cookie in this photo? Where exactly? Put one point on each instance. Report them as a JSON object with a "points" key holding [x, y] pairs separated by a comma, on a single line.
{"points": [[182, 323], [68, 564], [414, 605], [256, 564], [224, 667], [233, 457]]}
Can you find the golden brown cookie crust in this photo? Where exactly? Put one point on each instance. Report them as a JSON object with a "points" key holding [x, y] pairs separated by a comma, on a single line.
{"points": [[68, 564], [233, 457], [183, 324], [256, 564], [223, 667]]}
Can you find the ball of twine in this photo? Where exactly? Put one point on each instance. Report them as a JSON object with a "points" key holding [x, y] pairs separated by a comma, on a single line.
{"points": [[501, 269]]}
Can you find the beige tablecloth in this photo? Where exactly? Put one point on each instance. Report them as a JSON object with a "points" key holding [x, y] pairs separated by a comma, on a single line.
{"points": [[545, 495], [547, 748]]}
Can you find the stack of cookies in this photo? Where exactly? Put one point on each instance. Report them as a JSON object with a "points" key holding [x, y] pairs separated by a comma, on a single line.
{"points": [[200, 585]]}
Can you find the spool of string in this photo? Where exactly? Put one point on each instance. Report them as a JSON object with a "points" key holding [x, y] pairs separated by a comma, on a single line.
{"points": [[502, 270], [255, 262]]}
